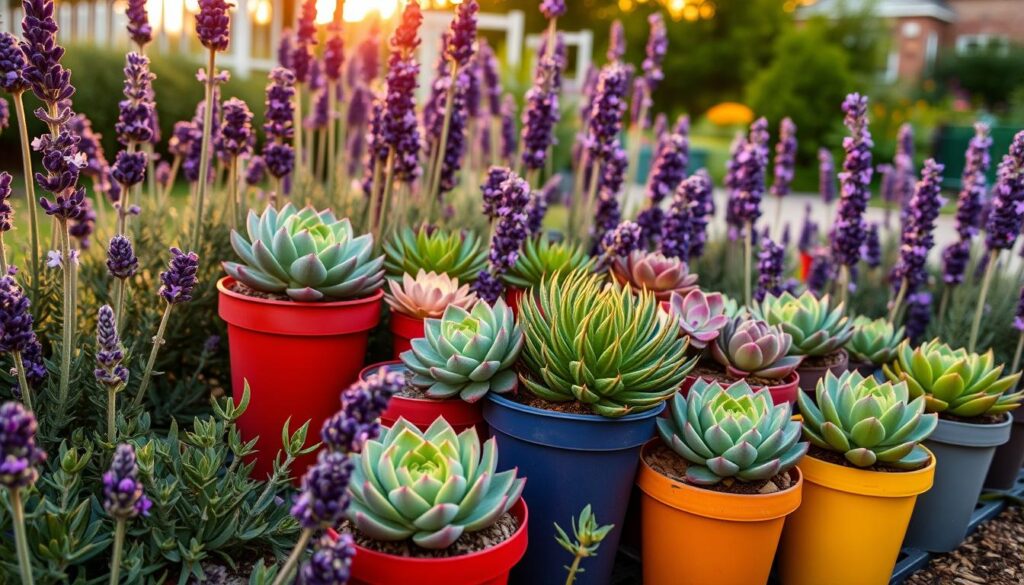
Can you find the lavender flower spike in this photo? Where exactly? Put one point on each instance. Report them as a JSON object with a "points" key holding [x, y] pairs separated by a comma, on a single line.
{"points": [[278, 123], [138, 23], [620, 242], [668, 171], [236, 136], [616, 42], [109, 352], [918, 237], [124, 495], [677, 229], [510, 230], [121, 260], [606, 112], [552, 9], [400, 128], [213, 24], [541, 114], [12, 65], [849, 228], [826, 176], [331, 561], [657, 48], [785, 158], [973, 188], [361, 407], [19, 455], [459, 49], [770, 265]]}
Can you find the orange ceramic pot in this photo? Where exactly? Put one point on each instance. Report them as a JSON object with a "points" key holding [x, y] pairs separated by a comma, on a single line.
{"points": [[696, 536], [850, 527]]}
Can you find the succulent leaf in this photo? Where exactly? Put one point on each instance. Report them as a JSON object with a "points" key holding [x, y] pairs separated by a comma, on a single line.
{"points": [[816, 328], [749, 347], [459, 254]]}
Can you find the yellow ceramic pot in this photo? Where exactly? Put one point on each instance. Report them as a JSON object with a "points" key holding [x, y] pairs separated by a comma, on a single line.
{"points": [[850, 526]]}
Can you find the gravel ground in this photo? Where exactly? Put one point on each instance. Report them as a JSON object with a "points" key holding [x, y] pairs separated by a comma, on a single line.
{"points": [[994, 555]]}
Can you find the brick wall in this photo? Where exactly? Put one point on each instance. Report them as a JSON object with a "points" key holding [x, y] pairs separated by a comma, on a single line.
{"points": [[993, 17]]}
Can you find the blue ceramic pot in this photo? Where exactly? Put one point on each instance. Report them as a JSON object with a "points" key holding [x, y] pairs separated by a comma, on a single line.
{"points": [[569, 461]]}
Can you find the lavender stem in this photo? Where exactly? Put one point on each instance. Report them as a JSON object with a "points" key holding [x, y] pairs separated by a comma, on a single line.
{"points": [[1017, 352], [897, 303], [20, 538], [158, 340], [26, 390], [204, 148], [985, 284], [293, 558], [68, 266], [442, 146], [748, 244], [115, 561], [30, 191]]}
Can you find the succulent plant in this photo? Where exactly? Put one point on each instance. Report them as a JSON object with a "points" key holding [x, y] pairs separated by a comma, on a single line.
{"points": [[305, 254], [600, 345], [701, 315], [459, 254], [654, 272], [431, 486], [466, 353], [751, 347], [867, 421], [731, 432], [954, 381], [874, 341], [817, 328], [733, 308], [540, 257], [427, 295]]}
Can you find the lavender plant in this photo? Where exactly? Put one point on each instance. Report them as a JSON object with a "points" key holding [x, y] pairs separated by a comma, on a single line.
{"points": [[20, 457], [849, 227]]}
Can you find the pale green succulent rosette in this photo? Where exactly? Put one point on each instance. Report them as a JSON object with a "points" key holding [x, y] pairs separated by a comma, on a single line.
{"points": [[540, 257], [874, 341], [731, 432], [954, 381], [613, 351], [466, 353], [817, 328], [430, 486], [868, 421], [459, 254], [306, 255]]}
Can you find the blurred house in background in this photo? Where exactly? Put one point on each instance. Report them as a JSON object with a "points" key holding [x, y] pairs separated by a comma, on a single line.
{"points": [[920, 29]]}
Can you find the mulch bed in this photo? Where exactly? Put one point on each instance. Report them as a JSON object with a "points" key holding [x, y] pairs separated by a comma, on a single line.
{"points": [[993, 555], [838, 459], [666, 462]]}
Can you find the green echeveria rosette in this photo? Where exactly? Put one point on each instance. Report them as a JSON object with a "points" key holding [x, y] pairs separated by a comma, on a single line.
{"points": [[466, 353], [459, 254], [750, 347], [874, 341], [600, 344], [430, 486], [954, 381], [868, 421], [817, 328], [731, 432], [540, 257], [305, 254]]}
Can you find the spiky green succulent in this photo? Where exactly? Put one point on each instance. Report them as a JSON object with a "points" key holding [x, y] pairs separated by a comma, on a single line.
{"points": [[816, 327], [614, 352], [731, 432], [305, 254], [540, 257], [457, 253], [867, 421], [954, 381], [874, 341], [430, 486], [466, 353]]}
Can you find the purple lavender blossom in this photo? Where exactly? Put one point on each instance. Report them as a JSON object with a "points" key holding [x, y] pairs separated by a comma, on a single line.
{"points": [[305, 38], [903, 169], [699, 191], [12, 65], [1018, 319], [400, 128], [622, 241], [83, 227], [455, 145], [871, 250], [552, 9], [749, 175], [459, 49], [138, 23], [657, 48], [129, 168], [492, 190], [213, 24], [6, 211], [919, 315], [490, 72], [641, 103], [367, 64], [538, 206], [821, 272], [510, 230], [35, 369], [179, 279], [109, 351], [826, 175], [362, 404], [121, 260], [277, 150], [607, 214], [16, 332], [542, 112], [955, 258], [19, 454], [62, 164], [49, 80], [124, 496], [182, 137], [973, 183], [668, 171], [677, 229], [331, 561], [136, 110], [770, 264], [323, 498], [255, 171], [1007, 215], [918, 231], [605, 123], [90, 144], [5, 115], [334, 52], [616, 42], [808, 239], [236, 136], [785, 159], [509, 137], [849, 229]]}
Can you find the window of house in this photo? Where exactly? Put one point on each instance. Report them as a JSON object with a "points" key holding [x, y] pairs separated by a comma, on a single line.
{"points": [[978, 42]]}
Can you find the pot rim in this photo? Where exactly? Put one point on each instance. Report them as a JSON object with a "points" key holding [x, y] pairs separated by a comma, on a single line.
{"points": [[718, 505], [964, 434], [519, 509], [222, 287], [388, 364], [864, 482], [791, 379], [526, 409]]}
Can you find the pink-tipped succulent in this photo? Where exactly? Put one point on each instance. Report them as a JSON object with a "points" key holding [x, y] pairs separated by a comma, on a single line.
{"points": [[428, 294], [654, 272], [750, 347], [701, 315]]}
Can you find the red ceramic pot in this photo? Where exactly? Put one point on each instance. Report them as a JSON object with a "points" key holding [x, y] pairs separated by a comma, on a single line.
{"points": [[296, 358], [422, 412], [486, 567], [403, 330], [513, 296], [805, 265], [784, 392]]}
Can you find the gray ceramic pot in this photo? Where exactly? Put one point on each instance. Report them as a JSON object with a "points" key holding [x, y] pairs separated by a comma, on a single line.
{"points": [[809, 376], [963, 453], [1009, 457]]}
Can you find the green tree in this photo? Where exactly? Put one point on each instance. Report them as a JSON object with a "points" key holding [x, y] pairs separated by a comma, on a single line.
{"points": [[806, 81], [990, 74]]}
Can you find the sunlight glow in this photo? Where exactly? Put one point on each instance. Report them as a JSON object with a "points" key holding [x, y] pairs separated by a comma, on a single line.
{"points": [[359, 10], [173, 16]]}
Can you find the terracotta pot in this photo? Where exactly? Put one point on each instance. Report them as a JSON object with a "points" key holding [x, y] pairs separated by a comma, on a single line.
{"points": [[963, 453], [850, 525], [697, 536], [809, 376], [1006, 463], [486, 567], [422, 412], [784, 392], [296, 358], [403, 330]]}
